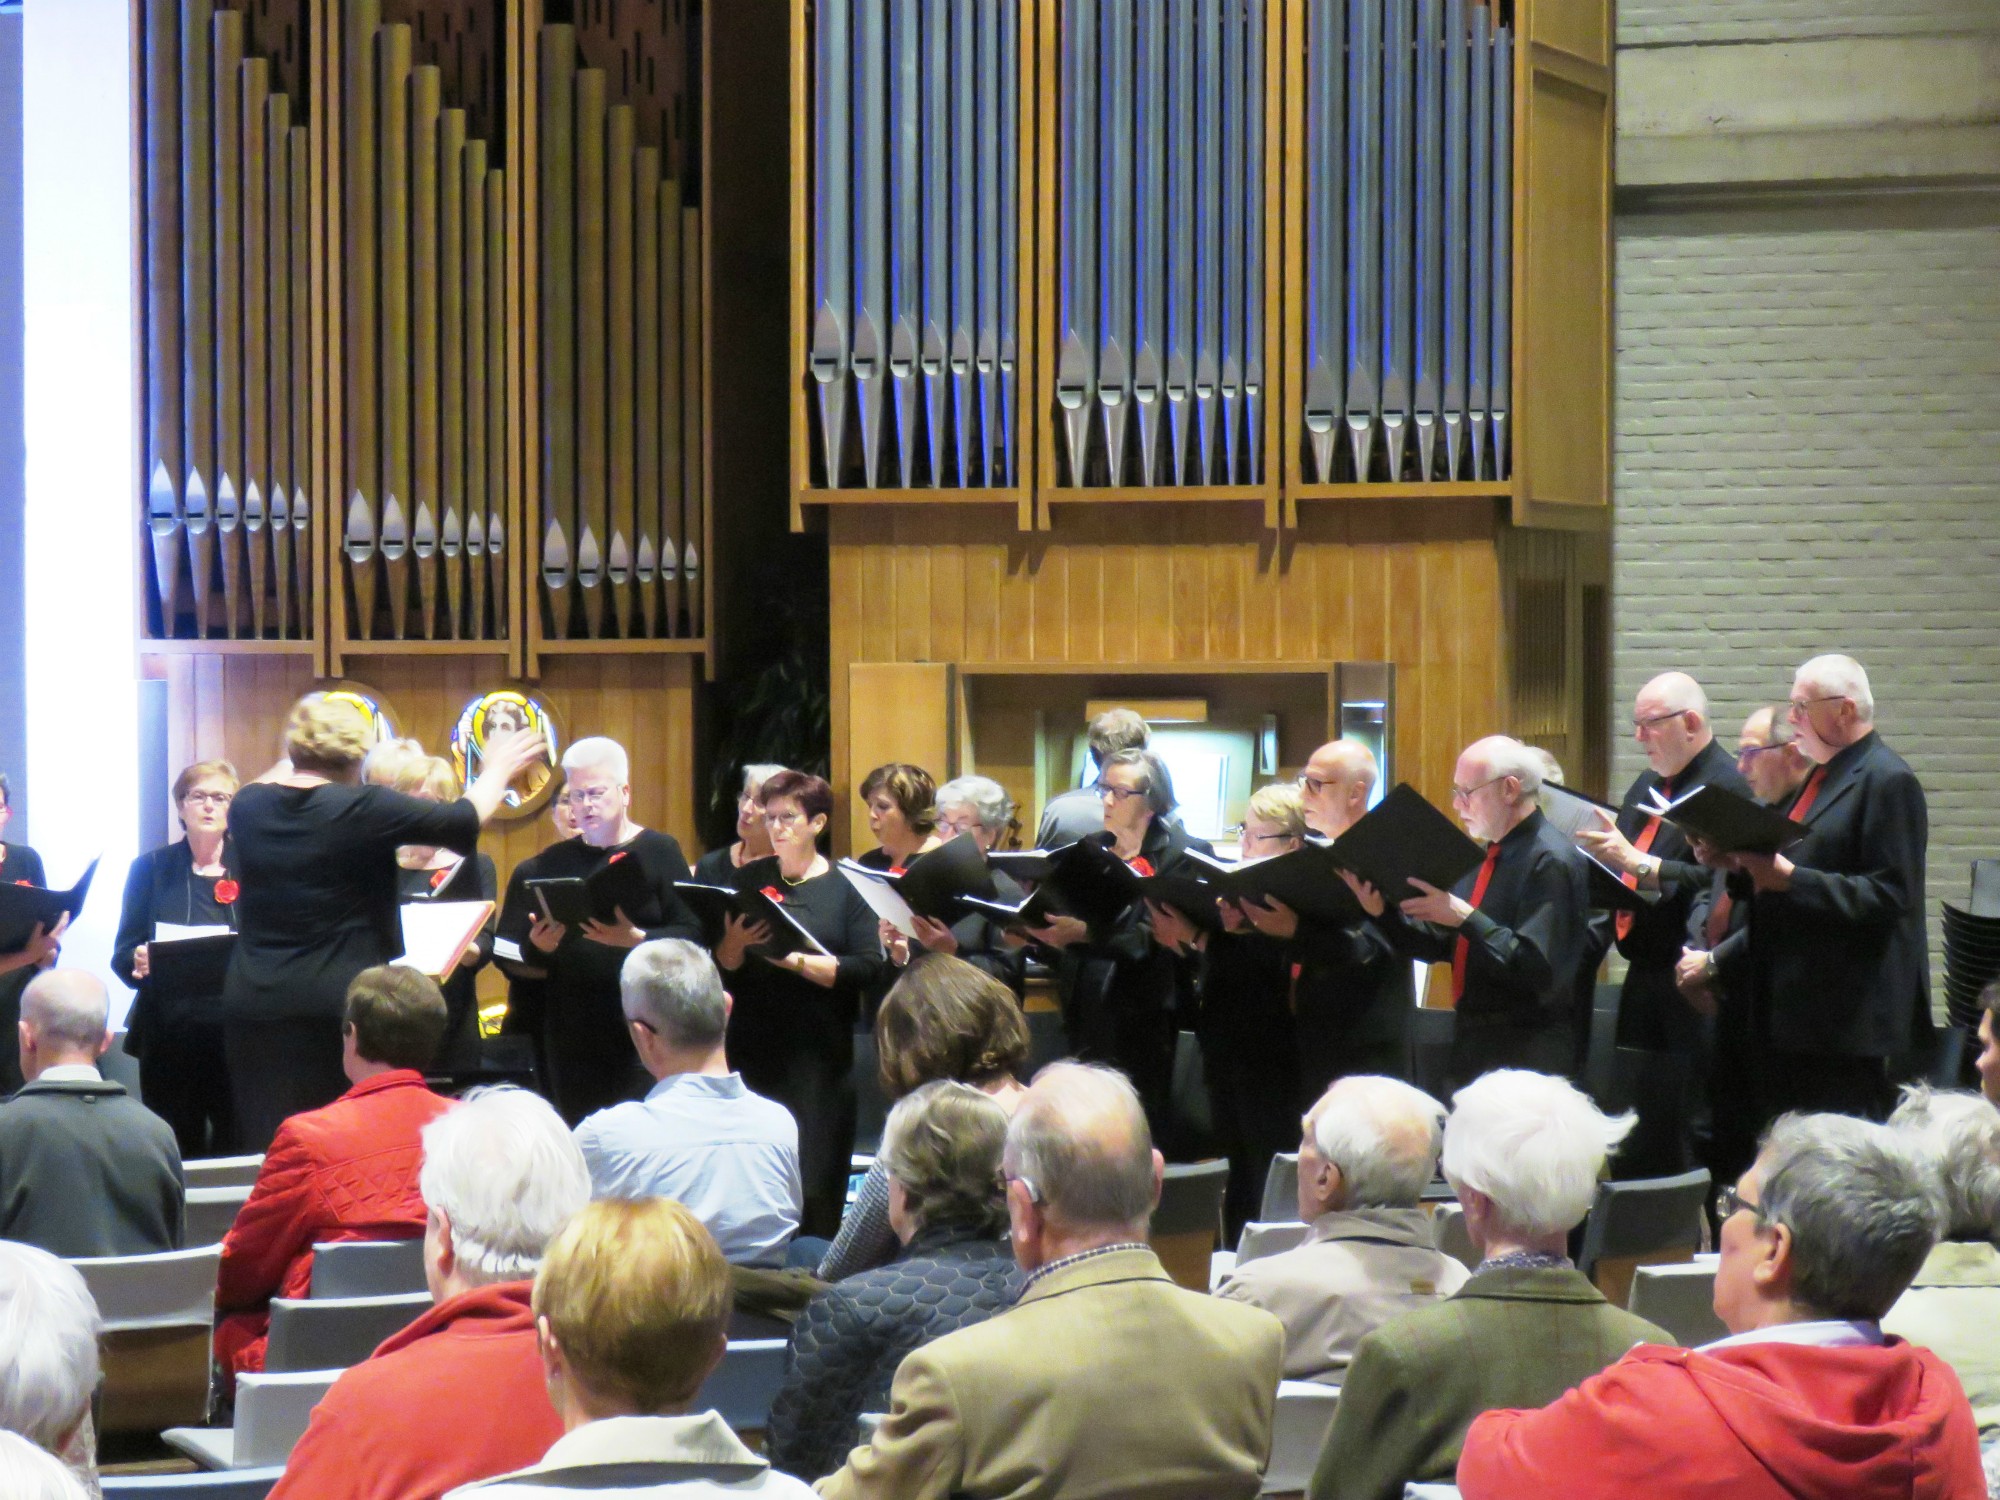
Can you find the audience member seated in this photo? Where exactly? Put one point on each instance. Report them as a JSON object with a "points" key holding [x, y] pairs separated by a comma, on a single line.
{"points": [[1370, 1147], [1523, 1151], [48, 1357], [28, 1473], [943, 1018], [699, 1137], [85, 1169], [632, 1314], [1807, 1396], [347, 1171], [1104, 1378], [1988, 1061], [1953, 1306], [501, 1177], [941, 1149]]}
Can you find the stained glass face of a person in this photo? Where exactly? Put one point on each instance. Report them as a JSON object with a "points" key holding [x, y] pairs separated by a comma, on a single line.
{"points": [[205, 808], [597, 801], [504, 718]]}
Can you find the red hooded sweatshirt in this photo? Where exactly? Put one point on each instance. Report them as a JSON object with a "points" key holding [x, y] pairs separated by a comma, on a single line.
{"points": [[1761, 1421]]}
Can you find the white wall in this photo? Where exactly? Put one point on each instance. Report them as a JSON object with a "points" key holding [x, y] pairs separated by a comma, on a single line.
{"points": [[81, 507]]}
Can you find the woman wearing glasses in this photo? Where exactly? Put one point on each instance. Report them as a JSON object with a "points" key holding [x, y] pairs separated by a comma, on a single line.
{"points": [[791, 1031], [1121, 990], [753, 840], [177, 1036]]}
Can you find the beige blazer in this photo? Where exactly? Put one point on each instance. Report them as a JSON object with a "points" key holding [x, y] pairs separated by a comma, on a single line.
{"points": [[1105, 1379], [1355, 1272]]}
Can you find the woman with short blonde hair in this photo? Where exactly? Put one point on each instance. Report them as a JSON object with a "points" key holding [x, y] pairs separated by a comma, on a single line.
{"points": [[320, 901], [632, 1314]]}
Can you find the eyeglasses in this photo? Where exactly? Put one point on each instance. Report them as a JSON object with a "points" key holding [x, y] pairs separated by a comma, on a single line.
{"points": [[1312, 786], [1117, 794], [1798, 708], [783, 819], [1280, 837], [1728, 1202], [1466, 793], [1034, 1192], [210, 799], [956, 826], [1749, 753], [582, 797], [1640, 726]]}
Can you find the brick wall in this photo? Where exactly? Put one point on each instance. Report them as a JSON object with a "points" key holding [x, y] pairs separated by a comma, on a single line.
{"points": [[1806, 461], [1657, 23]]}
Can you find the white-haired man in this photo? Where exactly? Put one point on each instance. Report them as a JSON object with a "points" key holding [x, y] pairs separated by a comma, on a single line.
{"points": [[586, 1043], [1807, 1395], [48, 1356], [1369, 1149], [1350, 989], [1513, 930], [1671, 725], [85, 1169], [1839, 960], [458, 1395], [699, 1137], [1524, 1152], [1105, 1378]]}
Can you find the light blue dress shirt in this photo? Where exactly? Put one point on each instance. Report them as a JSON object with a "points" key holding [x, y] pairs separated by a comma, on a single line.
{"points": [[706, 1141]]}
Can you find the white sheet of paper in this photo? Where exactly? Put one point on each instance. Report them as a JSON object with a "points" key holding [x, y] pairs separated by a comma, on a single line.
{"points": [[884, 902], [434, 930], [1569, 812], [508, 949], [179, 932]]}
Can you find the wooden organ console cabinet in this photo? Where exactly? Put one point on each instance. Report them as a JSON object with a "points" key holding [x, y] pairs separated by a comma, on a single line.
{"points": [[1146, 349]]}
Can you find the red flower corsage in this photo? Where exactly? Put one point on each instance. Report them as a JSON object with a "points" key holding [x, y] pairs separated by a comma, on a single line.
{"points": [[615, 857], [24, 882], [227, 890], [440, 876], [772, 892], [898, 871], [1140, 866]]}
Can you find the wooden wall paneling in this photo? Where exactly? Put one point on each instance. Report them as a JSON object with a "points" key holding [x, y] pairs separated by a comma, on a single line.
{"points": [[1563, 145], [897, 711]]}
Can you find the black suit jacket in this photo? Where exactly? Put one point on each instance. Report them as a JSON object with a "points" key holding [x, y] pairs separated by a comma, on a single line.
{"points": [[87, 1170], [159, 889], [1840, 963], [1524, 945], [1658, 933]]}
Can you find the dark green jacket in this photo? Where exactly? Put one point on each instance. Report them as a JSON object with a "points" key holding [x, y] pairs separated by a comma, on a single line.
{"points": [[1507, 1338]]}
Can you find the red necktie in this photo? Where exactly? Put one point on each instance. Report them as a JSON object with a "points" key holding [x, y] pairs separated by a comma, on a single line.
{"points": [[1464, 945], [1806, 797], [1622, 923], [1717, 926]]}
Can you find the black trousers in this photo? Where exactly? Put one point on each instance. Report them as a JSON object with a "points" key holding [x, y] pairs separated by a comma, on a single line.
{"points": [[278, 1068], [1252, 1101], [804, 1060], [184, 1079]]}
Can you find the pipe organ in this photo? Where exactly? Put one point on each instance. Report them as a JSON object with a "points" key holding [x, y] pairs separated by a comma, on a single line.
{"points": [[1260, 249], [423, 320]]}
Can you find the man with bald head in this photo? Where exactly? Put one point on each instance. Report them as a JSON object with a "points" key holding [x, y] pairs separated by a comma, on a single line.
{"points": [[1350, 992], [85, 1169], [1839, 964], [1513, 930], [1104, 1378]]}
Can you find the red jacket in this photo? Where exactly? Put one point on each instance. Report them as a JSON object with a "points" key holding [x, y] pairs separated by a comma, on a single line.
{"points": [[1765, 1421], [345, 1172], [455, 1397]]}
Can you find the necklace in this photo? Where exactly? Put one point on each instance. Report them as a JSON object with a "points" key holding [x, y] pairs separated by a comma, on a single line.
{"points": [[803, 878]]}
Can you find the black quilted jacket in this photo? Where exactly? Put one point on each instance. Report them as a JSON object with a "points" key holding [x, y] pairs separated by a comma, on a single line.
{"points": [[852, 1336]]}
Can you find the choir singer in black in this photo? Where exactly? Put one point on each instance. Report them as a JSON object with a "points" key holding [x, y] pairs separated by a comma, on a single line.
{"points": [[588, 1047], [177, 1037], [791, 1029], [1512, 930]]}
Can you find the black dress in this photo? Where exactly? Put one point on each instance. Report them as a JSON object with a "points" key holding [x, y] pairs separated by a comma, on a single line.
{"points": [[17, 862], [588, 1052], [319, 904], [793, 1040], [1249, 1059], [177, 1037], [716, 867], [471, 879]]}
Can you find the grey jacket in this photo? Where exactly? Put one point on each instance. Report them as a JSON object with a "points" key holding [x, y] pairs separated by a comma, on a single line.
{"points": [[87, 1170]]}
